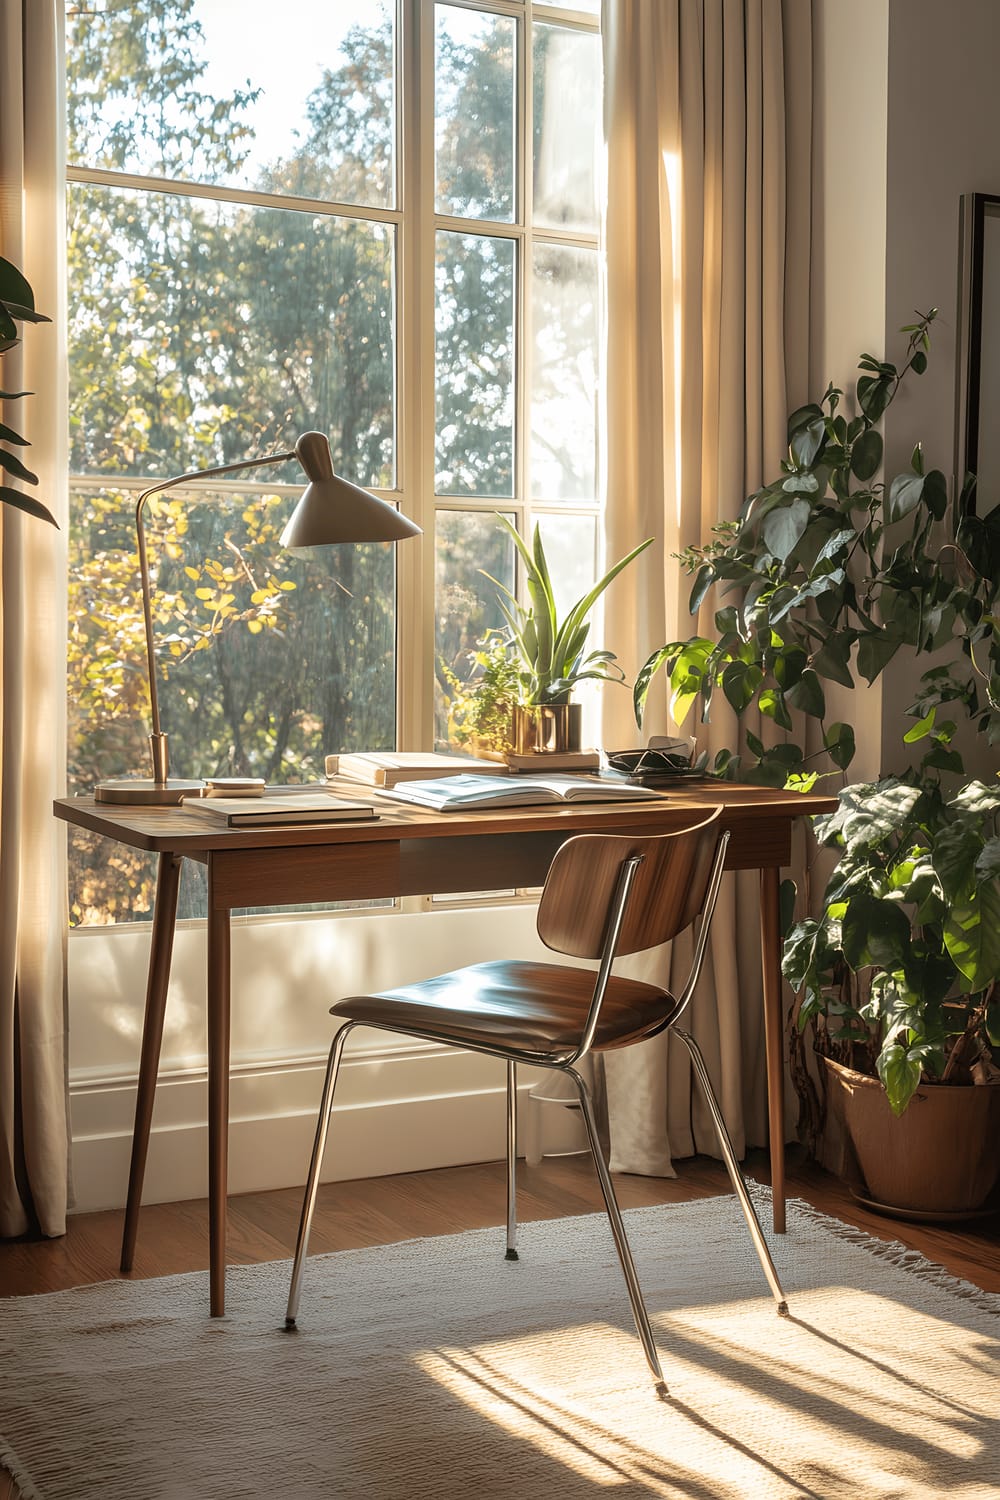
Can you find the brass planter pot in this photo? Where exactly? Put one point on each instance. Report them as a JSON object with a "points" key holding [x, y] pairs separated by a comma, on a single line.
{"points": [[547, 728], [939, 1157]]}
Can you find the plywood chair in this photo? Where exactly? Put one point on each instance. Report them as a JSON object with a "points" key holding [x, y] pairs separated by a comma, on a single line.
{"points": [[604, 896]]}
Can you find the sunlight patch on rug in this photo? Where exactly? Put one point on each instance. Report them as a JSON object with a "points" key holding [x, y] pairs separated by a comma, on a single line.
{"points": [[436, 1368]]}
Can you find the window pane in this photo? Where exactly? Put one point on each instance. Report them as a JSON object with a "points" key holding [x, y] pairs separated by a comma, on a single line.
{"points": [[564, 319], [567, 127], [570, 544], [571, 550], [474, 347], [266, 661], [474, 114], [469, 544], [304, 105], [587, 7], [202, 333]]}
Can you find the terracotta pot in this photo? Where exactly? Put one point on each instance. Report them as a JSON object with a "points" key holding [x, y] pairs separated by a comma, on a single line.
{"points": [[940, 1156], [548, 728]]}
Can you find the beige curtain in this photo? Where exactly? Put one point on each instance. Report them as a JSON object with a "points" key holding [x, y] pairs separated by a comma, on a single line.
{"points": [[708, 123], [33, 1126]]}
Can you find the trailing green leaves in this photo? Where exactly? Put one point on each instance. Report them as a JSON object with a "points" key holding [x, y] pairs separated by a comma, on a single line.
{"points": [[899, 969], [829, 574]]}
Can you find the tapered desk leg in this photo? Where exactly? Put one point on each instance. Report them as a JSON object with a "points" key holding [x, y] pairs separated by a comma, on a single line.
{"points": [[218, 1098], [164, 915], [770, 939]]}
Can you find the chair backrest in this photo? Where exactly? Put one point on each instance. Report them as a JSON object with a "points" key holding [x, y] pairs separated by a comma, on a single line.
{"points": [[667, 894]]}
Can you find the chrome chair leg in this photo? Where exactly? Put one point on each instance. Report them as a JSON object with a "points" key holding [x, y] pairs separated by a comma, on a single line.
{"points": [[736, 1176], [639, 1312], [312, 1181], [511, 1161]]}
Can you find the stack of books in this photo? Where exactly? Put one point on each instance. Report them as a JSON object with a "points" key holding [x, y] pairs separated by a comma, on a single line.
{"points": [[386, 768]]}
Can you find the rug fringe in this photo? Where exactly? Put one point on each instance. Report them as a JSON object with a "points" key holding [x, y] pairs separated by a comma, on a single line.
{"points": [[892, 1251]]}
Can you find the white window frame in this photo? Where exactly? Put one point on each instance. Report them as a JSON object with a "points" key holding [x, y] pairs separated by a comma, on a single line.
{"points": [[416, 224]]}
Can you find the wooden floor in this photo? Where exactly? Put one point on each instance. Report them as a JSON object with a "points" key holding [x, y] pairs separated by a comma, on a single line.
{"points": [[173, 1237]]}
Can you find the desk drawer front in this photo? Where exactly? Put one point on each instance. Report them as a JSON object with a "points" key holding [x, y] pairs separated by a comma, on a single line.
{"points": [[298, 876]]}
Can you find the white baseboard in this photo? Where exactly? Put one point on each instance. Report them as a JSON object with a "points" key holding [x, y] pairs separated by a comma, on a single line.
{"points": [[402, 1105], [400, 1109]]}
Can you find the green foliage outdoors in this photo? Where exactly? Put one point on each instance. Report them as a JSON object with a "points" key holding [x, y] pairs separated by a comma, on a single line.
{"points": [[17, 305], [834, 575], [202, 333]]}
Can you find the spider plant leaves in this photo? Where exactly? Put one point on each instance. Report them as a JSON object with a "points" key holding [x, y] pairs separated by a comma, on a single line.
{"points": [[552, 650]]}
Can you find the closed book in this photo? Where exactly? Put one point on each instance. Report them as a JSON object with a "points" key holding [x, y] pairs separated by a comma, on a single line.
{"points": [[459, 793], [287, 807], [543, 762], [389, 767]]}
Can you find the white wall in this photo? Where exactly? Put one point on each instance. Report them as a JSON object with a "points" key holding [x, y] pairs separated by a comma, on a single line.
{"points": [[907, 120], [850, 122], [848, 272], [403, 1106], [943, 141]]}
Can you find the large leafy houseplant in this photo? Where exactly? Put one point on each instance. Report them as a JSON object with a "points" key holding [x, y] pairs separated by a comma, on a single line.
{"points": [[901, 972], [551, 652], [831, 573], [17, 305]]}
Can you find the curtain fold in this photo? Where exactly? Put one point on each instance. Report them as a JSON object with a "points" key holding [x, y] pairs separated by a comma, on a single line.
{"points": [[33, 1113], [708, 118]]}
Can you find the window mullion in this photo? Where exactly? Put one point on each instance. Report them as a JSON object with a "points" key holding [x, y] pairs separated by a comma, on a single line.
{"points": [[415, 473], [522, 367]]}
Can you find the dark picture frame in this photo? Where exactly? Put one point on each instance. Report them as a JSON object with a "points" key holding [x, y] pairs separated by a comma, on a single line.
{"points": [[978, 363]]}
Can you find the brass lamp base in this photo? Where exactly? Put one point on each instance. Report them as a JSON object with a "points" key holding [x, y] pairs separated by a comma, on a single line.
{"points": [[143, 791]]}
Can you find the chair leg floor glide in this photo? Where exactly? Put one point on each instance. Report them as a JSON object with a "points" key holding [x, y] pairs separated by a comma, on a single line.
{"points": [[639, 1313], [511, 1161], [312, 1181], [732, 1166]]}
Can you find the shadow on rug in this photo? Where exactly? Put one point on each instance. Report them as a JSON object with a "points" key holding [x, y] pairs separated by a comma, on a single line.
{"points": [[437, 1368]]}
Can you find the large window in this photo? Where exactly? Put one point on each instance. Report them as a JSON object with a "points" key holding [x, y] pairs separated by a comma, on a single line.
{"points": [[317, 224]]}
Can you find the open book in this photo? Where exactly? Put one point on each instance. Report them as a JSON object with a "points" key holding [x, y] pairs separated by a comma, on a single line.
{"points": [[454, 793]]}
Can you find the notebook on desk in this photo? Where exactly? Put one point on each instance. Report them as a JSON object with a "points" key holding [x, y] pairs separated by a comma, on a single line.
{"points": [[287, 807]]}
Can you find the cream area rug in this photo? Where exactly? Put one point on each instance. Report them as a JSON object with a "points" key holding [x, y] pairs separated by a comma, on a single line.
{"points": [[436, 1368]]}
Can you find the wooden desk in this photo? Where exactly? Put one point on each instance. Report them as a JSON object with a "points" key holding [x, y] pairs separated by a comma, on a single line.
{"points": [[406, 852]]}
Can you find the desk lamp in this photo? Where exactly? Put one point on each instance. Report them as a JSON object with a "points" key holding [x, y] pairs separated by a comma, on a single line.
{"points": [[330, 510]]}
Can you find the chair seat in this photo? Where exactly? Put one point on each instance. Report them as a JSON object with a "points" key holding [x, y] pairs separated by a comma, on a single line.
{"points": [[529, 1010]]}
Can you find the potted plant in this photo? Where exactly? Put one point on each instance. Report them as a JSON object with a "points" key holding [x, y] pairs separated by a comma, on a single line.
{"points": [[551, 653], [17, 305], [900, 976], [481, 706], [831, 573]]}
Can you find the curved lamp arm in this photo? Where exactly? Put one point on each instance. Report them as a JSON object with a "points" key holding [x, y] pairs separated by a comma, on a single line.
{"points": [[157, 740], [330, 511]]}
